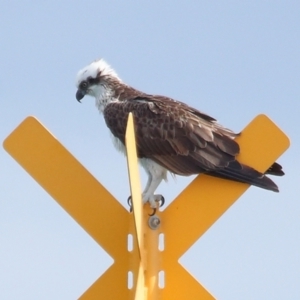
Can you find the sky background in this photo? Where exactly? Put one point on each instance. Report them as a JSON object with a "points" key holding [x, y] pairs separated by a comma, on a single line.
{"points": [[230, 59]]}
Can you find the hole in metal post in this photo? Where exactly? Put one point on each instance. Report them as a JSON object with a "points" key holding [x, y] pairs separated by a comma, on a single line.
{"points": [[161, 279], [130, 280], [161, 242], [129, 242]]}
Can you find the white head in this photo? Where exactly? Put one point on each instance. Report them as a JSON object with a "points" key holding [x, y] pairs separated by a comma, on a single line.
{"points": [[93, 80]]}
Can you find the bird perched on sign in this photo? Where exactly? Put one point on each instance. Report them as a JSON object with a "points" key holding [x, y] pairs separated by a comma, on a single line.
{"points": [[170, 135]]}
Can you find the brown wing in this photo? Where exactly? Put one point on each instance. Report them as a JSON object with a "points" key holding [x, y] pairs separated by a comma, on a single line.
{"points": [[178, 137]]}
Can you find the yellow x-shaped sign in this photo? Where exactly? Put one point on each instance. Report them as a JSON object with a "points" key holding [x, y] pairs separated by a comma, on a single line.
{"points": [[107, 221]]}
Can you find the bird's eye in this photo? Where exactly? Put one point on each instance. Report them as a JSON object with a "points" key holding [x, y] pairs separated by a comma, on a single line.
{"points": [[83, 85]]}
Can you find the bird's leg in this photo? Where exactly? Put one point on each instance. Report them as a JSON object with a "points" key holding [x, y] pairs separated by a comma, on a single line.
{"points": [[148, 194], [147, 185], [159, 198], [161, 203], [156, 174]]}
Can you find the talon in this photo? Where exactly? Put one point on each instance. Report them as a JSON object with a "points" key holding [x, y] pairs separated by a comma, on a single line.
{"points": [[162, 201], [153, 213], [129, 202]]}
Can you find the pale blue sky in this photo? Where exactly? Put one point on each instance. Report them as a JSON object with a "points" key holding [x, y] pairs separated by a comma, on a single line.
{"points": [[230, 59]]}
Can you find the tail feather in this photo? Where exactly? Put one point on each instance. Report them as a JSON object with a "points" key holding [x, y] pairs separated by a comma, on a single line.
{"points": [[275, 169], [242, 173]]}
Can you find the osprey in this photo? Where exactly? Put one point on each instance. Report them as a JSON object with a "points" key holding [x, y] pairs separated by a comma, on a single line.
{"points": [[170, 135]]}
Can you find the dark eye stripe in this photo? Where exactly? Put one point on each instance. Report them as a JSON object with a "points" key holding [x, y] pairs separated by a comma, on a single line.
{"points": [[92, 80], [83, 85]]}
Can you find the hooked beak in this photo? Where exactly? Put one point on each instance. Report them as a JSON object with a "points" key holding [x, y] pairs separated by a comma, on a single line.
{"points": [[80, 94]]}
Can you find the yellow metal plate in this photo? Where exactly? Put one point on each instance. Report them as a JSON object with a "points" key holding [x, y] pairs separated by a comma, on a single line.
{"points": [[95, 209], [81, 195], [199, 206]]}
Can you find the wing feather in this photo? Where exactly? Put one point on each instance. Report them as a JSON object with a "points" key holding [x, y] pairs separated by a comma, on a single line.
{"points": [[180, 138]]}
